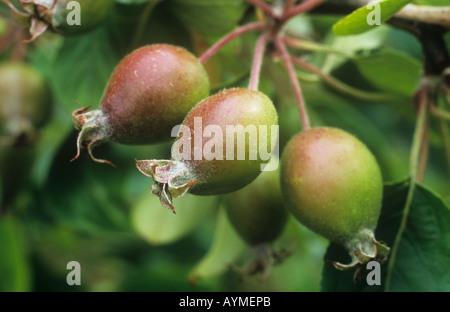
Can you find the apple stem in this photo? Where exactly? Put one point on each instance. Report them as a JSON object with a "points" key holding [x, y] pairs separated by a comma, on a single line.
{"points": [[422, 166], [294, 81], [264, 6], [258, 60], [446, 141], [342, 87], [227, 38], [288, 6], [423, 98], [314, 47], [301, 8], [442, 114]]}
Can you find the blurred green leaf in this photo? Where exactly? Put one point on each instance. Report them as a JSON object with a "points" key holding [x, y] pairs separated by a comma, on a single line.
{"points": [[350, 45], [208, 16], [432, 2], [224, 250], [358, 21], [51, 138], [134, 1], [159, 276], [422, 262], [15, 166], [15, 272], [84, 194], [390, 70], [160, 226], [82, 69], [4, 26], [1, 191]]}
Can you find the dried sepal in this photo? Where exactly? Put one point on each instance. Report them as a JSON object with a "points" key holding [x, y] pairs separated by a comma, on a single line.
{"points": [[262, 259], [93, 131], [360, 258], [172, 179], [37, 15], [37, 28]]}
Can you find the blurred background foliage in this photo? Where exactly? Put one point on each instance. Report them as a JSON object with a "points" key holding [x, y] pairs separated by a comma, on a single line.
{"points": [[54, 211]]}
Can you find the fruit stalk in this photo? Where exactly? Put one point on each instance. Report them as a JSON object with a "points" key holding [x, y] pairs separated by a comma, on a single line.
{"points": [[446, 141], [295, 84], [313, 46], [423, 98], [258, 60], [289, 4], [300, 8], [439, 112], [227, 38], [264, 6], [422, 166], [340, 86]]}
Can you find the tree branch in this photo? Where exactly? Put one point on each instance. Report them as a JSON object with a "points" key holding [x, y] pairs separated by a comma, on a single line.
{"points": [[412, 15], [426, 14]]}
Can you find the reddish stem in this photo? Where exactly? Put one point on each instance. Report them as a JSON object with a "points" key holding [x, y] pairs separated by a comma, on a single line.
{"points": [[19, 48], [234, 34], [295, 84], [258, 60], [288, 6], [5, 41], [264, 6], [309, 67], [423, 155], [300, 8]]}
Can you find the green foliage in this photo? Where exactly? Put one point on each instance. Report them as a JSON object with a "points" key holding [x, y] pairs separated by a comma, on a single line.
{"points": [[159, 227], [134, 1], [14, 265], [390, 70], [93, 54], [225, 249], [357, 22], [432, 2], [209, 17]]}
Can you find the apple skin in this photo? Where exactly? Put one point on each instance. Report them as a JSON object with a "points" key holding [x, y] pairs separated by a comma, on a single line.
{"points": [[151, 91], [230, 107], [257, 211], [332, 184]]}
